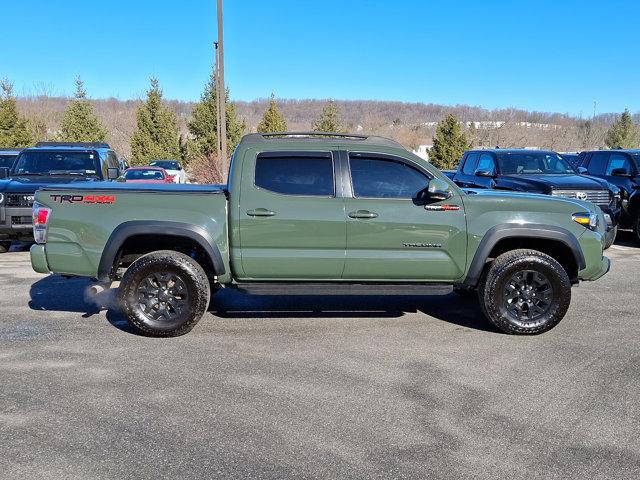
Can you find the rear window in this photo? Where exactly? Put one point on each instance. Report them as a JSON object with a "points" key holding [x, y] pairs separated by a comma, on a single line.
{"points": [[166, 164], [309, 176], [143, 175], [56, 162]]}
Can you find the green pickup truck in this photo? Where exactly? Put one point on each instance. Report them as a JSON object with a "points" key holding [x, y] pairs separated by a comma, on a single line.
{"points": [[310, 213]]}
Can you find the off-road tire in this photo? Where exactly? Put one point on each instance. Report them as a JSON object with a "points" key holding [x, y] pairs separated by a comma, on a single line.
{"points": [[186, 272], [5, 246], [610, 237], [497, 281]]}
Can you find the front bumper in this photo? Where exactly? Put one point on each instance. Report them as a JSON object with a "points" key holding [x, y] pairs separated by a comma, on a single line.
{"points": [[16, 222], [39, 258], [605, 266]]}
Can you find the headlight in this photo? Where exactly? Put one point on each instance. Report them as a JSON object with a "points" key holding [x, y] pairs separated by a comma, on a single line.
{"points": [[1, 198], [588, 220]]}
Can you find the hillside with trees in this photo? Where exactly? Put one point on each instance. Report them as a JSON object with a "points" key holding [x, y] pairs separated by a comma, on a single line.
{"points": [[411, 124]]}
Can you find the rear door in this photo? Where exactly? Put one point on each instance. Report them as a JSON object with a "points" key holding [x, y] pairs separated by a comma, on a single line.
{"points": [[390, 235], [292, 223]]}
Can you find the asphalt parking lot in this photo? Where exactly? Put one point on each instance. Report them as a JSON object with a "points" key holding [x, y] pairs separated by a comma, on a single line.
{"points": [[318, 387]]}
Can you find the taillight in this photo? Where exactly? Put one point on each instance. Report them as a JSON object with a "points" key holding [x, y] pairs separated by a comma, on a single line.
{"points": [[40, 220]]}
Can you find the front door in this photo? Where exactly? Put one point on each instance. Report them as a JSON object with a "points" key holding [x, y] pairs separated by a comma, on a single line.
{"points": [[392, 236], [292, 223]]}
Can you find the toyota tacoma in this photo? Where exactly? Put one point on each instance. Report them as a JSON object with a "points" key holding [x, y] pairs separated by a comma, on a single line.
{"points": [[312, 213]]}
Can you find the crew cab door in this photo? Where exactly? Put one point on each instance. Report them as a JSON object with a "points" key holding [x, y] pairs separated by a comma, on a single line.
{"points": [[292, 223], [390, 234]]}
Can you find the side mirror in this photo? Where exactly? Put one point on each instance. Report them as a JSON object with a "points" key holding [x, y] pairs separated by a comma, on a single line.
{"points": [[4, 173], [582, 171], [439, 190], [620, 172], [112, 173], [484, 173]]}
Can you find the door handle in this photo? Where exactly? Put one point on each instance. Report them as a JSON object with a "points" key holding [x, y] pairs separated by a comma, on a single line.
{"points": [[363, 214], [260, 212]]}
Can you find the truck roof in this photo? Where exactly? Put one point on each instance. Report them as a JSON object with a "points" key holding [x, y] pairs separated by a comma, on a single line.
{"points": [[81, 146], [318, 137]]}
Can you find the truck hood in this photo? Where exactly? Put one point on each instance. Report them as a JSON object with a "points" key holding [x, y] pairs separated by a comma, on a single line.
{"points": [[546, 183], [31, 183], [503, 194]]}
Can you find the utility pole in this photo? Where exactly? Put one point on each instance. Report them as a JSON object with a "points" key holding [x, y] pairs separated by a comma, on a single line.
{"points": [[216, 79], [222, 125]]}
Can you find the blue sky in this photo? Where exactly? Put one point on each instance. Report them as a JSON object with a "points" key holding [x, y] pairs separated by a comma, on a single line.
{"points": [[538, 55]]}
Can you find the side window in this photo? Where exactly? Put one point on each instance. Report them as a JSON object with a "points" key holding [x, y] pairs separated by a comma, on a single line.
{"points": [[378, 178], [598, 163], [471, 163], [308, 176], [618, 160], [486, 163]]}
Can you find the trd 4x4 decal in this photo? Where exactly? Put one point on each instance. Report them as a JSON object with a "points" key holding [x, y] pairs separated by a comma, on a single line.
{"points": [[85, 199]]}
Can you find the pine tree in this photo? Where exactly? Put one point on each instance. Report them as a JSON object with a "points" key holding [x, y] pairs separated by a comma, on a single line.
{"points": [[203, 125], [80, 123], [329, 119], [157, 135], [449, 143], [623, 133], [15, 131], [272, 120]]}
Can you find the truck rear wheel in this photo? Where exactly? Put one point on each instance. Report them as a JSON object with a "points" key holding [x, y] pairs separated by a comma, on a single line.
{"points": [[524, 292], [164, 293], [5, 245]]}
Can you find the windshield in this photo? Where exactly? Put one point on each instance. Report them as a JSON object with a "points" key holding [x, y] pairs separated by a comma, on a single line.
{"points": [[42, 162], [527, 163], [166, 164], [6, 161], [143, 175]]}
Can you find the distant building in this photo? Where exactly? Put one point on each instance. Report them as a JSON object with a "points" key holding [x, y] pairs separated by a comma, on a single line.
{"points": [[423, 151]]}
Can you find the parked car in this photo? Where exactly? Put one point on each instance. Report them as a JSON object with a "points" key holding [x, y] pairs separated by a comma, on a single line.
{"points": [[320, 214], [173, 168], [8, 157], [147, 175], [538, 171], [45, 164], [622, 168]]}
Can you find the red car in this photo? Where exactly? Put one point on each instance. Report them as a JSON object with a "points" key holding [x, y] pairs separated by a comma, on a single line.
{"points": [[147, 175]]}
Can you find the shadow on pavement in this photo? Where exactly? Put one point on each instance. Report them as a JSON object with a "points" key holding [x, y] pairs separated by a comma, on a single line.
{"points": [[55, 293]]}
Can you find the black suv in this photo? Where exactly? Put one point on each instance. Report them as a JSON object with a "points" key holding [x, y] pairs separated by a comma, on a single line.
{"points": [[45, 164], [622, 168], [538, 171]]}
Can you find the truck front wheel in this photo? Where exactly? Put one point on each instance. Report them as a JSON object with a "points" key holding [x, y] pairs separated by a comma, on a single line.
{"points": [[5, 245], [524, 292], [164, 293]]}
